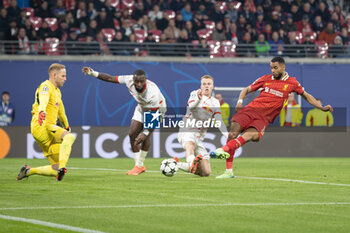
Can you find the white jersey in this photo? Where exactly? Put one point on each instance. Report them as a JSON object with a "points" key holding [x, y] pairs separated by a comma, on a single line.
{"points": [[204, 109], [150, 98]]}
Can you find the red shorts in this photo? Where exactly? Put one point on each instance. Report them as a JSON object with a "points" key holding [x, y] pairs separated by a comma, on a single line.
{"points": [[248, 117]]}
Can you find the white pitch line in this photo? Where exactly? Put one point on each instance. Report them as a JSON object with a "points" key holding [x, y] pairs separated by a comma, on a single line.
{"points": [[49, 224], [175, 205], [243, 177]]}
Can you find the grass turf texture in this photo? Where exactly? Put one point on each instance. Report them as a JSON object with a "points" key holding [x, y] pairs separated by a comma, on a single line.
{"points": [[121, 203]]}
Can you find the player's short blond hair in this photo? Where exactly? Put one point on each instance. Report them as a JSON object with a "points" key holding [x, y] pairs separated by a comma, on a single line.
{"points": [[56, 67], [207, 77]]}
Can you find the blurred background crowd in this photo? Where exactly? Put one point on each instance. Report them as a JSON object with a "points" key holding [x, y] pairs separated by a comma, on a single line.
{"points": [[206, 28]]}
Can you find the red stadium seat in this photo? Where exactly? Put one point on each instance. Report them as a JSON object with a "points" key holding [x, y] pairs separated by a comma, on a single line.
{"points": [[36, 22], [128, 4], [115, 4], [209, 24], [52, 46], [228, 48], [171, 14], [156, 34], [299, 36], [322, 49], [214, 46], [108, 33], [204, 33], [140, 35], [29, 11], [52, 23]]}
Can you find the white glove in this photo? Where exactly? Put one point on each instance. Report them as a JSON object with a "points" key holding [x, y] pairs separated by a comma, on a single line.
{"points": [[92, 73]]}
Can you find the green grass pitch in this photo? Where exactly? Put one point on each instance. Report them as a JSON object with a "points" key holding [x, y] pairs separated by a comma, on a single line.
{"points": [[107, 200]]}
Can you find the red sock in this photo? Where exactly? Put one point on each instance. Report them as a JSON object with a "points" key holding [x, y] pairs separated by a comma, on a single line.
{"points": [[229, 161], [234, 144]]}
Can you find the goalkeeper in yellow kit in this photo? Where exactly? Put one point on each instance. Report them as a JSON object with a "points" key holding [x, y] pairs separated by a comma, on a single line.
{"points": [[56, 142]]}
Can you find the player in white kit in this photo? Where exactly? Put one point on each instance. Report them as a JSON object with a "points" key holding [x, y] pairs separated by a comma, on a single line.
{"points": [[149, 98], [203, 107]]}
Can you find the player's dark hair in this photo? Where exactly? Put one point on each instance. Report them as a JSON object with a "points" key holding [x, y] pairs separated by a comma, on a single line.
{"points": [[280, 60], [139, 72], [5, 93]]}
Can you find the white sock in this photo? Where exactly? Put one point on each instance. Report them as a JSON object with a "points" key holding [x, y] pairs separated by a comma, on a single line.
{"points": [[229, 170], [190, 159], [183, 166], [137, 157], [142, 158]]}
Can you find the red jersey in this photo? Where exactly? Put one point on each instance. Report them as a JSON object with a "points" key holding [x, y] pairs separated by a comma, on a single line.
{"points": [[275, 92]]}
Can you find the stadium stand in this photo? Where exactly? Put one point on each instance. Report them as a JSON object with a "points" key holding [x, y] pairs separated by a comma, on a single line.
{"points": [[131, 18]]}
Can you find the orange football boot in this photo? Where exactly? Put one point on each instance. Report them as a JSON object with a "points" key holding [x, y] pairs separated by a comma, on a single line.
{"points": [[136, 171], [195, 163]]}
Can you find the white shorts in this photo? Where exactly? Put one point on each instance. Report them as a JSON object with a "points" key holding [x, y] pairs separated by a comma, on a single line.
{"points": [[184, 137]]}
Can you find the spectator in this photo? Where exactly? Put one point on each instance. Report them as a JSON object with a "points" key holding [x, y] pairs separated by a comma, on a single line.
{"points": [[133, 47], [290, 25], [13, 11], [176, 5], [283, 35], [91, 46], [149, 23], [291, 114], [4, 23], [225, 109], [323, 12], [162, 23], [186, 12], [59, 11], [226, 24], [70, 20], [139, 25], [233, 34], [307, 11], [267, 31], [84, 19], [337, 49], [172, 32], [276, 45], [119, 45], [11, 35], [219, 33], [110, 9], [44, 11], [164, 47], [7, 110], [310, 49], [23, 42], [203, 11], [293, 48], [44, 31], [103, 20], [155, 14], [248, 14], [30, 32], [91, 11], [139, 11], [347, 23], [72, 45], [316, 117], [62, 32], [191, 33], [93, 28], [344, 36], [232, 12], [202, 50], [294, 10], [262, 47], [246, 48], [304, 25], [260, 23], [275, 21], [317, 24], [216, 15], [339, 13], [179, 22], [197, 21], [336, 22], [150, 44], [328, 34]]}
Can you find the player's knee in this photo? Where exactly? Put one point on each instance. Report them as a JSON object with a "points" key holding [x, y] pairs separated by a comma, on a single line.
{"points": [[205, 173], [132, 136]]}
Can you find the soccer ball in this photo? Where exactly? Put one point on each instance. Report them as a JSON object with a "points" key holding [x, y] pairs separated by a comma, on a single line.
{"points": [[168, 167]]}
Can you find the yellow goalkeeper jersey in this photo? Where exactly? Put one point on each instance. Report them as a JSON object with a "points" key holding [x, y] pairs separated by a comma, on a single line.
{"points": [[48, 99]]}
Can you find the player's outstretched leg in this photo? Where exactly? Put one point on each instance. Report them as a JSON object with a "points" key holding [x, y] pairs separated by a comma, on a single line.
{"points": [[65, 149], [220, 154], [23, 172], [60, 173]]}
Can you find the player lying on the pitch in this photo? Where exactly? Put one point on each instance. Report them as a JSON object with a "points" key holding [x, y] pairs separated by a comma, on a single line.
{"points": [[201, 106], [253, 119], [149, 98]]}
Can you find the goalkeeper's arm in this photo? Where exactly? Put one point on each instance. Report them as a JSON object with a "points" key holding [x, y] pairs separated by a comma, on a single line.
{"points": [[102, 76]]}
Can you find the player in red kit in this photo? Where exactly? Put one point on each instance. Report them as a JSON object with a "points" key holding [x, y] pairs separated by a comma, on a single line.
{"points": [[252, 120]]}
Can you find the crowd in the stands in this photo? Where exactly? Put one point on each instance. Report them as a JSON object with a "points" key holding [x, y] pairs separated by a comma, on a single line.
{"points": [[253, 28]]}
